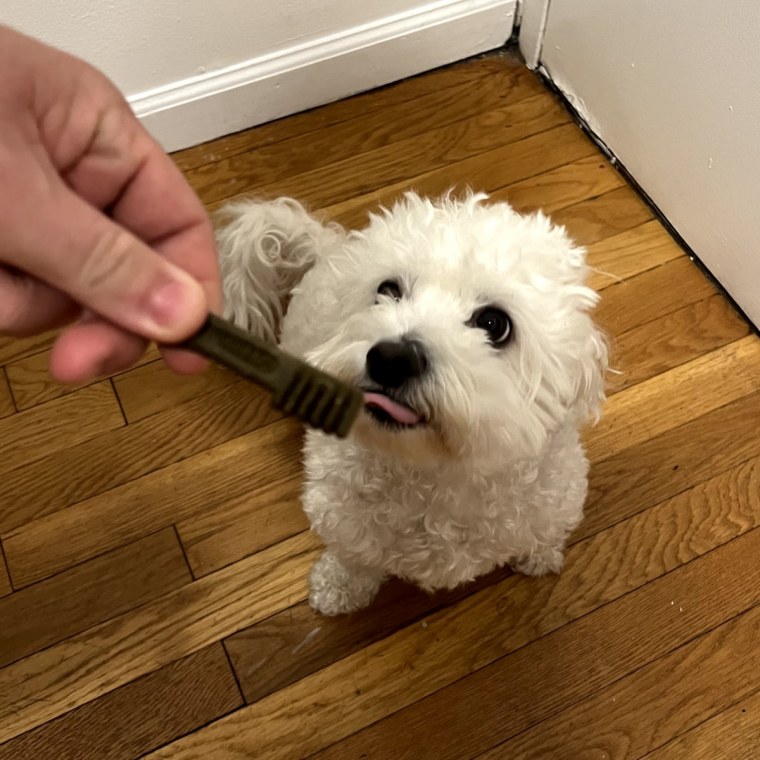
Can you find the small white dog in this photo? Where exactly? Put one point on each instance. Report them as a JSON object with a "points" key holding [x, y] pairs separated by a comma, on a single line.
{"points": [[468, 327]]}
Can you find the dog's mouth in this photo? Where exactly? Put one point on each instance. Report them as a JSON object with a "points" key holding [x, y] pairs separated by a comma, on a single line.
{"points": [[391, 413]]}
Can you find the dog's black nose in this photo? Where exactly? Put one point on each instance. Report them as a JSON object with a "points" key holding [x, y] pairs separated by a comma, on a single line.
{"points": [[391, 363]]}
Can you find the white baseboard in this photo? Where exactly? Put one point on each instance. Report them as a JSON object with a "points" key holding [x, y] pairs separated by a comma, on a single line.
{"points": [[532, 28], [217, 103]]}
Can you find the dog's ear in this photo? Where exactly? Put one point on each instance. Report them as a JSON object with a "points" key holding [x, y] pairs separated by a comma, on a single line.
{"points": [[586, 344], [265, 248], [592, 361]]}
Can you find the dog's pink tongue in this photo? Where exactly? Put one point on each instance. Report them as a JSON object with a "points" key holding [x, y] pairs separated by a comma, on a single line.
{"points": [[400, 413]]}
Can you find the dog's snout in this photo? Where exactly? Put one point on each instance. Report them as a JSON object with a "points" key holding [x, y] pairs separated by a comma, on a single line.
{"points": [[392, 363]]}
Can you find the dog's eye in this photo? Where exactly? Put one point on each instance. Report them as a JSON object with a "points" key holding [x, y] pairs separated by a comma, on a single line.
{"points": [[495, 322], [391, 289]]}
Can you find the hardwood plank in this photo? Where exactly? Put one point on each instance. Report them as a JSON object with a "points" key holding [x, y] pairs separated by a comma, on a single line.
{"points": [[676, 397], [678, 337], [5, 581], [12, 349], [486, 172], [7, 406], [201, 482], [529, 143], [154, 388], [417, 661], [602, 217], [30, 436], [138, 717], [630, 253], [89, 594], [573, 662], [471, 74], [551, 190], [220, 535], [264, 655], [651, 295], [115, 457], [32, 384], [643, 475], [84, 667], [509, 105], [588, 222], [734, 733], [629, 718], [561, 187]]}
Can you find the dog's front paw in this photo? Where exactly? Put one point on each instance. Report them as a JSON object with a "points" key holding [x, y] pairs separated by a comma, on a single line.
{"points": [[337, 589], [543, 561]]}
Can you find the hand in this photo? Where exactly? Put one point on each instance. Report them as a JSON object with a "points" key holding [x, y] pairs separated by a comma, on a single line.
{"points": [[97, 225]]}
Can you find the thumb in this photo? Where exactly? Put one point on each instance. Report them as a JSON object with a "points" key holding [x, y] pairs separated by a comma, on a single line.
{"points": [[100, 265]]}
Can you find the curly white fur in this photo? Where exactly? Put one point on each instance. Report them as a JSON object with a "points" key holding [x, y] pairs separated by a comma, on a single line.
{"points": [[497, 474]]}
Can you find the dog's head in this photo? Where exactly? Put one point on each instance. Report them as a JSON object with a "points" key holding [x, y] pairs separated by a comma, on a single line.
{"points": [[466, 324]]}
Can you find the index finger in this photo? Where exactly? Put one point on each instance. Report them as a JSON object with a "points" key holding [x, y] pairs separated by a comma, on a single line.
{"points": [[125, 170]]}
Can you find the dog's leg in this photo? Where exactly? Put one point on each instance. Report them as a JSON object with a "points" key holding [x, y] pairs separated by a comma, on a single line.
{"points": [[338, 588]]}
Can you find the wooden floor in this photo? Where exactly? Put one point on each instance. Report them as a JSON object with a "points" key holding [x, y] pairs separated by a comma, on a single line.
{"points": [[154, 556]]}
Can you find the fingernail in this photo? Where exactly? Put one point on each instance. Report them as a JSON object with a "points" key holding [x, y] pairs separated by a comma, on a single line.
{"points": [[174, 304]]}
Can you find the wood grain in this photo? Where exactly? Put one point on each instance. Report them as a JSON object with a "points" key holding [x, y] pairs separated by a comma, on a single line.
{"points": [[224, 533], [7, 406], [644, 475], [417, 661], [677, 396], [486, 171], [630, 253], [427, 166], [561, 187], [171, 494], [733, 733], [402, 97], [638, 714], [480, 119], [297, 642], [32, 383], [550, 190], [154, 388], [138, 717], [651, 295], [5, 581], [12, 349], [84, 667], [116, 457], [591, 653], [602, 217], [30, 436], [678, 337], [89, 594]]}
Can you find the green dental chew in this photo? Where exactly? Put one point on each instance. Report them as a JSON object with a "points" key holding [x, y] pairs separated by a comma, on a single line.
{"points": [[298, 389]]}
